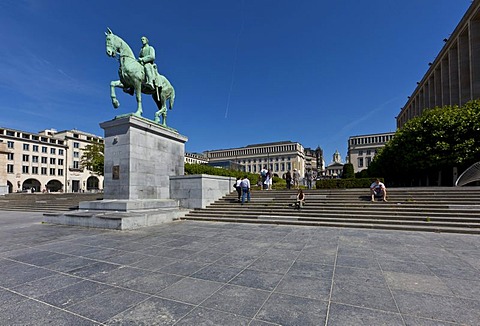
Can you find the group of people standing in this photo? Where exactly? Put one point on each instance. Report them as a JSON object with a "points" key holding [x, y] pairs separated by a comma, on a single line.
{"points": [[242, 185], [293, 180]]}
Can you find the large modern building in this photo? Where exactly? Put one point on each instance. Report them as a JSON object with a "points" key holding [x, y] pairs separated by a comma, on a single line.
{"points": [[279, 157], [48, 161], [362, 149], [453, 78]]}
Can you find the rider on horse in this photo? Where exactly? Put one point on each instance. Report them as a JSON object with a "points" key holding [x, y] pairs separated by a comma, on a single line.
{"points": [[147, 58]]}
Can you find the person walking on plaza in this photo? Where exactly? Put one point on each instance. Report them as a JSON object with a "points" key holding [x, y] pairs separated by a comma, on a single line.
{"points": [[238, 187], [245, 184], [309, 178], [288, 179], [296, 179], [377, 188], [269, 180], [263, 173]]}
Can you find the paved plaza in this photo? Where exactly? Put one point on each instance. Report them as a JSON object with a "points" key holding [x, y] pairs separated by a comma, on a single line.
{"points": [[206, 273]]}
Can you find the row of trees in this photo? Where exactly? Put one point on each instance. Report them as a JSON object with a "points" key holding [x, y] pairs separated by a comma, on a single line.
{"points": [[428, 147]]}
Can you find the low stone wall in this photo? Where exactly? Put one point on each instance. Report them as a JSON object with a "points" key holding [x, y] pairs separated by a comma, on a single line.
{"points": [[199, 190]]}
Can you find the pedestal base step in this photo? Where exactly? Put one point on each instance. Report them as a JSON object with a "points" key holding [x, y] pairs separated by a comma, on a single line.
{"points": [[115, 220]]}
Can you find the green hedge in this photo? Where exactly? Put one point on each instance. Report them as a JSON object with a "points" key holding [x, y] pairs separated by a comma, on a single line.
{"points": [[206, 169], [345, 183]]}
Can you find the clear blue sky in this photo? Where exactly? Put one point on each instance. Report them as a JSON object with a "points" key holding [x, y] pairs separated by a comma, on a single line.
{"points": [[244, 71]]}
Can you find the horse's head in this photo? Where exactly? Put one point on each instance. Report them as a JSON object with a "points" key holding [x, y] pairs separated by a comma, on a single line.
{"points": [[112, 43]]}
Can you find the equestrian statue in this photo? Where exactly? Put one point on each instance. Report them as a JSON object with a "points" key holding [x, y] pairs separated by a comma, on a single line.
{"points": [[139, 76]]}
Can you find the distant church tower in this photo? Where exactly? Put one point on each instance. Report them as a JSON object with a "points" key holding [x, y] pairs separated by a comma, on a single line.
{"points": [[336, 157]]}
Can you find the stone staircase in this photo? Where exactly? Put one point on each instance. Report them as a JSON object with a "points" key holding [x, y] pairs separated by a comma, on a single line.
{"points": [[50, 202], [415, 209]]}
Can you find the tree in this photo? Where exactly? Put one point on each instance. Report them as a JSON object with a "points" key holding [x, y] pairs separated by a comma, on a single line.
{"points": [[348, 171], [93, 158], [431, 145]]}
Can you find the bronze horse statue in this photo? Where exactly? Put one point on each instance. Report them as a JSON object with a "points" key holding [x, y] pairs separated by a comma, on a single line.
{"points": [[132, 79]]}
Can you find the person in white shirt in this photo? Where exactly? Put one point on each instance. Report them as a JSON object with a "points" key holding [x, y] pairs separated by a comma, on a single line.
{"points": [[378, 188], [245, 184]]}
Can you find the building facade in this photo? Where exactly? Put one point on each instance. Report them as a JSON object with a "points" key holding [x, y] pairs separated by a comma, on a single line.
{"points": [[195, 158], [79, 178], [362, 149], [453, 78], [278, 157], [44, 161]]}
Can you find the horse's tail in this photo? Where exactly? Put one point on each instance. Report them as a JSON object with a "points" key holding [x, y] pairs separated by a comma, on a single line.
{"points": [[172, 98]]}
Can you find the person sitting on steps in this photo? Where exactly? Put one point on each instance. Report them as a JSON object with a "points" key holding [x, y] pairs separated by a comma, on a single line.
{"points": [[300, 199], [377, 188]]}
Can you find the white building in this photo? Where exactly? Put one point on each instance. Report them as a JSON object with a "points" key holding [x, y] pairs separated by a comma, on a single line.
{"points": [[362, 149], [335, 168], [278, 157], [48, 161], [195, 158]]}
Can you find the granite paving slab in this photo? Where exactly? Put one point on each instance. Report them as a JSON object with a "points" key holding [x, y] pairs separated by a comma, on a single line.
{"points": [[237, 300], [153, 311], [342, 315], [289, 310], [208, 317], [190, 290], [444, 308]]}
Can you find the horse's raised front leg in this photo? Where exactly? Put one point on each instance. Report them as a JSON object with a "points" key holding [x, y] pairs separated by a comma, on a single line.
{"points": [[113, 84], [138, 94]]}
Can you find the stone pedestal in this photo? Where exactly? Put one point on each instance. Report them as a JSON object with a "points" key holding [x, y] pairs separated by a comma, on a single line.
{"points": [[140, 158]]}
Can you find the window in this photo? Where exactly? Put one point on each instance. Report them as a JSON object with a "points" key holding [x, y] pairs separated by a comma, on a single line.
{"points": [[24, 169], [25, 158], [368, 160], [26, 147], [10, 144], [360, 162], [34, 159], [52, 160], [52, 150], [77, 155], [60, 161], [44, 160], [44, 171], [369, 152], [360, 153], [60, 172], [52, 171], [10, 156], [60, 152], [34, 169], [76, 145], [75, 164], [44, 149], [35, 148], [9, 168]]}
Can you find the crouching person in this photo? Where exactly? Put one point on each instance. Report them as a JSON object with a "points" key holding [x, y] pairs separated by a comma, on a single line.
{"points": [[378, 189]]}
